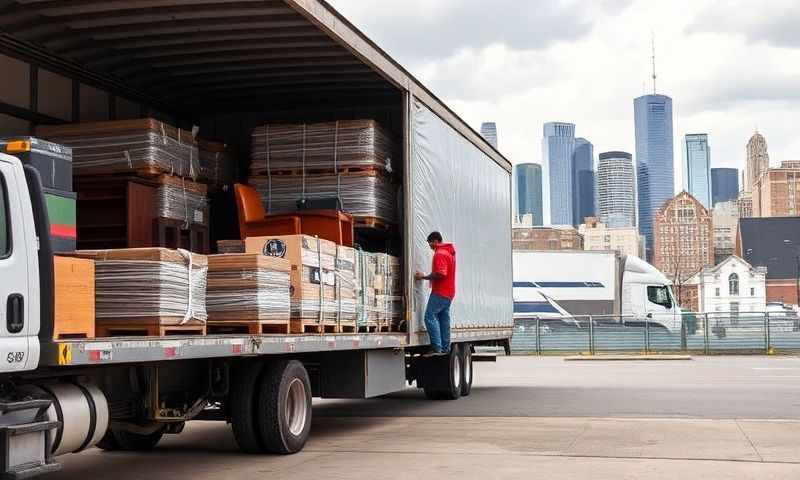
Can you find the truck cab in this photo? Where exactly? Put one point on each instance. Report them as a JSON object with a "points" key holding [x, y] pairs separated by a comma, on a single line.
{"points": [[20, 312], [647, 296]]}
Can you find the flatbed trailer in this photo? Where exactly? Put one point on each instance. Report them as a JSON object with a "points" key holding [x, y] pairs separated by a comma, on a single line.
{"points": [[228, 67]]}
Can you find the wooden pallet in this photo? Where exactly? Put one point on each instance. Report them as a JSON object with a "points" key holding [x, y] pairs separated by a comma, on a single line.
{"points": [[367, 328], [311, 326], [249, 328], [115, 329]]}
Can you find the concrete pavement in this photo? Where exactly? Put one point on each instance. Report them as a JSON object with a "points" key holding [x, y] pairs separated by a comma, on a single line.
{"points": [[564, 433]]}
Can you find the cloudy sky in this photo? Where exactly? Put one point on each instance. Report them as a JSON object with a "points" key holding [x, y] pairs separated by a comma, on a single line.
{"points": [[729, 65]]}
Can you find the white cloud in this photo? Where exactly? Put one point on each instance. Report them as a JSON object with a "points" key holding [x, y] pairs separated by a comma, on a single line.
{"points": [[728, 68]]}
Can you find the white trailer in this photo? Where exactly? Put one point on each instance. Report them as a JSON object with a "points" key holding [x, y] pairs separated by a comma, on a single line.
{"points": [[606, 285], [227, 67]]}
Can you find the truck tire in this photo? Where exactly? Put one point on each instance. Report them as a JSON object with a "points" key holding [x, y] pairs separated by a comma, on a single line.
{"points": [[284, 407], [135, 442], [242, 402], [443, 375], [466, 369], [108, 442]]}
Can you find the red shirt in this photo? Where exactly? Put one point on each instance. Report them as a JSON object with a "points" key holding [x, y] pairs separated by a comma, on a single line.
{"points": [[444, 263]]}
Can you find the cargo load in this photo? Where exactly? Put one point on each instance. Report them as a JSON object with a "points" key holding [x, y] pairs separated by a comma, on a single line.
{"points": [[248, 292], [148, 291], [180, 199], [74, 293], [317, 303], [145, 146]]}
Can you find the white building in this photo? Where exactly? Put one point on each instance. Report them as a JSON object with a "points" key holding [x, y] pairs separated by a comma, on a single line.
{"points": [[598, 236], [733, 286]]}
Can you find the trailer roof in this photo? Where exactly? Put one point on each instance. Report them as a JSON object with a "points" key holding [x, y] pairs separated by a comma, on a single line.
{"points": [[214, 55]]}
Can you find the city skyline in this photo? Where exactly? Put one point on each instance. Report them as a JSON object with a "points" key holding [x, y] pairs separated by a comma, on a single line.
{"points": [[616, 189], [520, 71], [489, 132], [558, 148], [697, 167]]}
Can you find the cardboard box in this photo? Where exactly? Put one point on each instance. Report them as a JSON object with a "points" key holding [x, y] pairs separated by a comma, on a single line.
{"points": [[74, 298]]}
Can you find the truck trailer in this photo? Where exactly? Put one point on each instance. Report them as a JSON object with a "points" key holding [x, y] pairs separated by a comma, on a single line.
{"points": [[224, 68], [607, 285]]}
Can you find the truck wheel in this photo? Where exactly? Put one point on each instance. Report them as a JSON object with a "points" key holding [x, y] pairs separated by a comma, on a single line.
{"points": [[284, 407], [135, 442], [466, 369], [443, 375], [108, 442], [242, 401]]}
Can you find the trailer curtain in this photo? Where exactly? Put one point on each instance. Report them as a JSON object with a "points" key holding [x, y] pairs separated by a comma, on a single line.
{"points": [[463, 193]]}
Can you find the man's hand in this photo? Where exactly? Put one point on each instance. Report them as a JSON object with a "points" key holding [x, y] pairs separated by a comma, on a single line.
{"points": [[419, 276]]}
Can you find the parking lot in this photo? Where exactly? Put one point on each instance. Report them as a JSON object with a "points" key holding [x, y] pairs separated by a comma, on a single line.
{"points": [[715, 417]]}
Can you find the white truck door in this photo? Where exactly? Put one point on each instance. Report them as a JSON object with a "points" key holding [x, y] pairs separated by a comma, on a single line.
{"points": [[18, 351]]}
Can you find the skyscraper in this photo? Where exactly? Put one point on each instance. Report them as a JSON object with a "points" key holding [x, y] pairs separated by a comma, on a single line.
{"points": [[583, 180], [724, 185], [558, 146], [757, 160], [528, 191], [616, 190], [697, 167], [655, 173], [489, 132]]}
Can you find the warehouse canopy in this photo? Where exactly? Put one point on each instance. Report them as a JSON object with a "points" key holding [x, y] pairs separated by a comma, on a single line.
{"points": [[214, 55]]}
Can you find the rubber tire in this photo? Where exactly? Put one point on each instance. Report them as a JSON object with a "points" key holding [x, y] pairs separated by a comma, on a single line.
{"points": [[272, 395], [440, 383], [242, 403], [466, 359], [108, 442], [134, 442]]}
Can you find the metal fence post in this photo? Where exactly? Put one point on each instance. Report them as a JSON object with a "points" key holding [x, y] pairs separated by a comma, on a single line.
{"points": [[538, 338], [705, 334], [646, 334], [684, 333], [591, 336], [767, 339]]}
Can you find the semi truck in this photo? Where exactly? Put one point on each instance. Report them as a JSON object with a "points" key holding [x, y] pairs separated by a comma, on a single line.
{"points": [[222, 68], [605, 284]]}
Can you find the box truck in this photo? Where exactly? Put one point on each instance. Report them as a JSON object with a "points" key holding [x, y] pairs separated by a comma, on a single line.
{"points": [[224, 68], [607, 285]]}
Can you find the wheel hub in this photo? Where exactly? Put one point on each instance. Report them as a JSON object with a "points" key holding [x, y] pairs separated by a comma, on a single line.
{"points": [[296, 407]]}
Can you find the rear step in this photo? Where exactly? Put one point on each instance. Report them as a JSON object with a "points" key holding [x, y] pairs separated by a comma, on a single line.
{"points": [[27, 445]]}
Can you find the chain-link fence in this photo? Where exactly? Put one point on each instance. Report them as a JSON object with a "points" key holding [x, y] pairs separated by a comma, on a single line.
{"points": [[739, 332]]}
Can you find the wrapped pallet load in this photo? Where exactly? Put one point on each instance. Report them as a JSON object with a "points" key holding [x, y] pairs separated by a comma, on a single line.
{"points": [[349, 161], [248, 293], [317, 304], [145, 146], [149, 291], [182, 201], [380, 292]]}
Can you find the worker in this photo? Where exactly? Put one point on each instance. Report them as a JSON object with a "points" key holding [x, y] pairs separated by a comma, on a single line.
{"points": [[443, 291]]}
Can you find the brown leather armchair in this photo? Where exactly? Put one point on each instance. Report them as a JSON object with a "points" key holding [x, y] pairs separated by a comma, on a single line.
{"points": [[331, 225]]}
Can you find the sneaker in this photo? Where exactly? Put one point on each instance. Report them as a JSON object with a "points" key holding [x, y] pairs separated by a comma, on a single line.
{"points": [[432, 353]]}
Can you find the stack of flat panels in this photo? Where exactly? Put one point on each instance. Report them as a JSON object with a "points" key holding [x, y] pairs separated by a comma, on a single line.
{"points": [[181, 199], [361, 194], [346, 285], [350, 160], [145, 146], [249, 289], [380, 304], [217, 163], [151, 291], [317, 305], [320, 146]]}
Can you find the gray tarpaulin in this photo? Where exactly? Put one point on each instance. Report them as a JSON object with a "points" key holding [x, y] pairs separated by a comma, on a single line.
{"points": [[463, 193]]}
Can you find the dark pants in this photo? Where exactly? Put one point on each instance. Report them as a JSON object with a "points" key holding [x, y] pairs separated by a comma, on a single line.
{"points": [[437, 321]]}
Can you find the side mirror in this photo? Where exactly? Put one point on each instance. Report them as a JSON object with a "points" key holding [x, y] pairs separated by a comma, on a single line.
{"points": [[649, 315]]}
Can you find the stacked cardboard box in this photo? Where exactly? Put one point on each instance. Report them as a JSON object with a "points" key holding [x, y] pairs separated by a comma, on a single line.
{"points": [[148, 291], [316, 300], [380, 291], [248, 290], [182, 200]]}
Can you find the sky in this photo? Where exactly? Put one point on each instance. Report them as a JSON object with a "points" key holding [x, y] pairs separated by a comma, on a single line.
{"points": [[731, 67]]}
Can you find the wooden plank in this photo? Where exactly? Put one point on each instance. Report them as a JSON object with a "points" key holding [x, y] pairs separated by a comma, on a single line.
{"points": [[74, 298]]}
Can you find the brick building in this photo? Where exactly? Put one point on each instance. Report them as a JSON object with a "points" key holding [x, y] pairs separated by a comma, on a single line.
{"points": [[546, 238], [773, 243], [776, 193], [683, 236]]}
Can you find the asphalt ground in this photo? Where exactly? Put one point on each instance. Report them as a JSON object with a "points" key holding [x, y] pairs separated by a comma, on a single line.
{"points": [[527, 417]]}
